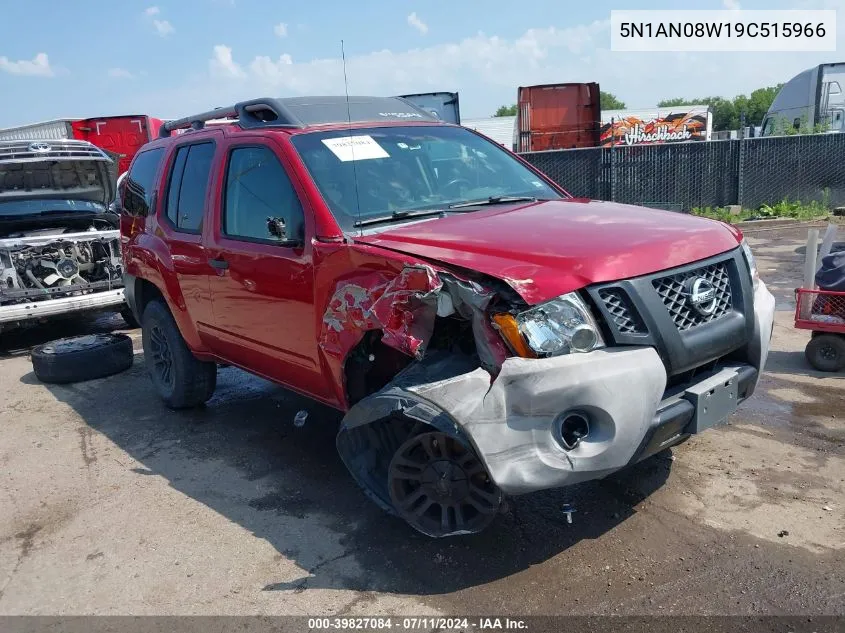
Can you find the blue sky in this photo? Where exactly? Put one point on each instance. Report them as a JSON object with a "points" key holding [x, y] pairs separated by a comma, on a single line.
{"points": [[168, 58]]}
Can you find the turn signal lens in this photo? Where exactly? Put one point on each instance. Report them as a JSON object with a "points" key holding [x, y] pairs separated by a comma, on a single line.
{"points": [[509, 328]]}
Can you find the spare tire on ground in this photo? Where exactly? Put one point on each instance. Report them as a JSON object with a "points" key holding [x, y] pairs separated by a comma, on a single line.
{"points": [[79, 358]]}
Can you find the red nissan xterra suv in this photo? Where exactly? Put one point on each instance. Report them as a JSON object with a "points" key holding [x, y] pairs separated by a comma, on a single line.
{"points": [[485, 332]]}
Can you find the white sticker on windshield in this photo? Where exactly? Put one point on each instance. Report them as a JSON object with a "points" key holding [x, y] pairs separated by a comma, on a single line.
{"points": [[348, 148]]}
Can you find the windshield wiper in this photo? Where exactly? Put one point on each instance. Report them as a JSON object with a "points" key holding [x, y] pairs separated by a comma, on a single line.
{"points": [[493, 200], [399, 215], [460, 207]]}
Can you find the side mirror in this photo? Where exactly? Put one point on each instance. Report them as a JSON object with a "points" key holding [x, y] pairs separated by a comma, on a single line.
{"points": [[278, 229]]}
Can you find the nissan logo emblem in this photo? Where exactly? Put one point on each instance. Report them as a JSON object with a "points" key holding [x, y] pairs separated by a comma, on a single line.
{"points": [[40, 148], [701, 295]]}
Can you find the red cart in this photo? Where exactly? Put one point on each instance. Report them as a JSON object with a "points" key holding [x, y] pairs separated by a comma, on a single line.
{"points": [[822, 312]]}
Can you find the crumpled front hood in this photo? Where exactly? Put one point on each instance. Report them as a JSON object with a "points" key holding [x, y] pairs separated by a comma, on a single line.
{"points": [[545, 249]]}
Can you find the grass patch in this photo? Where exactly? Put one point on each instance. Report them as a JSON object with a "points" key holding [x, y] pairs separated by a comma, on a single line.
{"points": [[792, 209]]}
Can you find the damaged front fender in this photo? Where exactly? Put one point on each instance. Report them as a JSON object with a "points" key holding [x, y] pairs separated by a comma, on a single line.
{"points": [[404, 308]]}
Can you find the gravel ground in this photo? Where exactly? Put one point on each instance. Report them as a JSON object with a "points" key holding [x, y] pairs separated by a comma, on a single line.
{"points": [[112, 504]]}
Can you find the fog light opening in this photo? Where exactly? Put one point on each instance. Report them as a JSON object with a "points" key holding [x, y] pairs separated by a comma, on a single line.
{"points": [[573, 428]]}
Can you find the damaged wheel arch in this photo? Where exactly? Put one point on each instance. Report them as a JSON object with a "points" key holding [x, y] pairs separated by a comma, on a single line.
{"points": [[378, 428]]}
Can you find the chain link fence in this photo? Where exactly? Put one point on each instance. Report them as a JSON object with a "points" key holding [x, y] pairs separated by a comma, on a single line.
{"points": [[681, 176]]}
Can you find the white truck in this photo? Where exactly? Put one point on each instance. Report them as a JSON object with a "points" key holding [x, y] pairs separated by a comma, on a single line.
{"points": [[59, 242], [812, 100]]}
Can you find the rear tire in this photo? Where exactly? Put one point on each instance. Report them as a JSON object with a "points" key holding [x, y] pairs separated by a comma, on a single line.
{"points": [[180, 378], [826, 352]]}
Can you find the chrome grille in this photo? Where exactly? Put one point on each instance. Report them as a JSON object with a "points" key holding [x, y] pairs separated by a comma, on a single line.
{"points": [[624, 315], [53, 149], [673, 292]]}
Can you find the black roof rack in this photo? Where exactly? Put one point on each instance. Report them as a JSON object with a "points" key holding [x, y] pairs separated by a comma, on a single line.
{"points": [[301, 112]]}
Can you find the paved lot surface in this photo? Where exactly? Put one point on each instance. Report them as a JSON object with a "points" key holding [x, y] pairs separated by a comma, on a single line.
{"points": [[111, 504]]}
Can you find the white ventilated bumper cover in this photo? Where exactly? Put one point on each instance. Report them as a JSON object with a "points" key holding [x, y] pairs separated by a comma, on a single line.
{"points": [[511, 421]]}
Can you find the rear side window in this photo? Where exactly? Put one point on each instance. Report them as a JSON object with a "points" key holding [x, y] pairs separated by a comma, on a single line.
{"points": [[188, 184], [139, 184], [258, 188]]}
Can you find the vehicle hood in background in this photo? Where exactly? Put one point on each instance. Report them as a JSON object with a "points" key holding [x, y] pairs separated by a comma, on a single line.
{"points": [[545, 249], [55, 169]]}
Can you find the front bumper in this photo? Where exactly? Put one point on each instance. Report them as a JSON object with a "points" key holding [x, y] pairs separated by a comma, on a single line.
{"points": [[513, 422], [32, 310]]}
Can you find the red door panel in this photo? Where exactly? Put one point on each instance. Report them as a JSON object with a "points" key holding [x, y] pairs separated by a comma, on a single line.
{"points": [[190, 179], [263, 292]]}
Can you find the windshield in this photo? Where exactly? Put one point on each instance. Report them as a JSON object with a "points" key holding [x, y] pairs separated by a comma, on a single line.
{"points": [[42, 206], [401, 169]]}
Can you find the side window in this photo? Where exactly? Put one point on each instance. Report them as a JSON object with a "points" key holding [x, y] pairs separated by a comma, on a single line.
{"points": [[188, 185], [258, 188], [174, 185], [138, 186]]}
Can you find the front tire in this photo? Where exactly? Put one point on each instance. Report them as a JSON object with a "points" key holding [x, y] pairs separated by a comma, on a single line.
{"points": [[440, 486], [180, 378]]}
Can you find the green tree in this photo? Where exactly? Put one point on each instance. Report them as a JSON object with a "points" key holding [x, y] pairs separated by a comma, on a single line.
{"points": [[758, 104], [725, 114], [610, 101], [506, 110], [671, 103]]}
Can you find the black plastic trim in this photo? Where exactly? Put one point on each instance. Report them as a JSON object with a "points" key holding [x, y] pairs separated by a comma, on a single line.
{"points": [[129, 294], [667, 428], [679, 350], [672, 424]]}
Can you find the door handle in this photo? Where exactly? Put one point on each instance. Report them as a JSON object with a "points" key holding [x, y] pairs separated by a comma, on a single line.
{"points": [[219, 264]]}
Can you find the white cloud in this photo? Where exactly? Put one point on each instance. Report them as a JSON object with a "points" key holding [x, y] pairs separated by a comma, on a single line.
{"points": [[281, 29], [487, 69], [163, 27], [222, 64], [494, 60], [730, 4], [38, 66], [119, 73], [418, 24]]}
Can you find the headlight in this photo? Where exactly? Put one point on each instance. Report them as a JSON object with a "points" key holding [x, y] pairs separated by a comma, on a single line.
{"points": [[560, 326], [752, 265]]}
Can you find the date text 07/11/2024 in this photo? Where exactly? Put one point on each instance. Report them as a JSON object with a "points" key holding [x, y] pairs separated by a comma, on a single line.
{"points": [[417, 623]]}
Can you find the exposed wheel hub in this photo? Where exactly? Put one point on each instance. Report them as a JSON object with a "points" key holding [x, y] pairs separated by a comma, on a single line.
{"points": [[445, 480], [439, 486]]}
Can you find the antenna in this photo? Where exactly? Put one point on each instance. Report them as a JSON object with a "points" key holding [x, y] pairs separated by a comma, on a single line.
{"points": [[351, 144]]}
